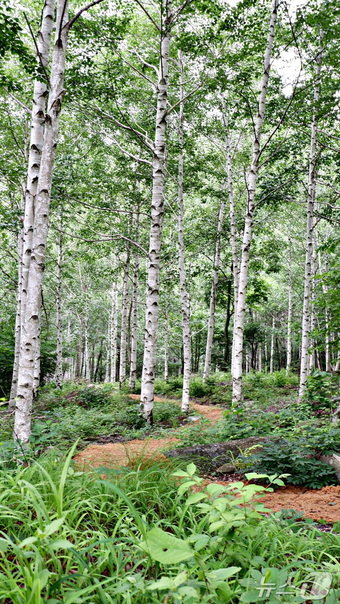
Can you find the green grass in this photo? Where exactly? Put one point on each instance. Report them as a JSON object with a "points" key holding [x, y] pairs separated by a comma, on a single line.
{"points": [[72, 537], [86, 413]]}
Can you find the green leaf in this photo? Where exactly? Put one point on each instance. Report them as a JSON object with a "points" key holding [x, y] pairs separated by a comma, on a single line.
{"points": [[191, 469], [43, 577], [185, 486], [53, 527], [163, 583], [221, 574], [216, 489], [165, 548], [194, 498], [4, 545], [169, 583], [253, 475], [27, 541], [61, 544]]}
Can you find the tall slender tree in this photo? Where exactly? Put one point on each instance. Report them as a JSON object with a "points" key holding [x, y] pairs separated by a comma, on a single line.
{"points": [[239, 317]]}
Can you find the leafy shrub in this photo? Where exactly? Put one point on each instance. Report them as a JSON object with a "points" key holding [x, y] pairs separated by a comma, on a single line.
{"points": [[199, 389], [173, 386], [294, 458], [322, 387], [92, 397]]}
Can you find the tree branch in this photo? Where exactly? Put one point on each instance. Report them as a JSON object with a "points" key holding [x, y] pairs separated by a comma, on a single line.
{"points": [[148, 15], [37, 50], [69, 24]]}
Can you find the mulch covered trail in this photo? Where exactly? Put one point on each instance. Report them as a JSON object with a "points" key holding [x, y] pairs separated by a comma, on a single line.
{"points": [[320, 504], [113, 455], [315, 504], [213, 414]]}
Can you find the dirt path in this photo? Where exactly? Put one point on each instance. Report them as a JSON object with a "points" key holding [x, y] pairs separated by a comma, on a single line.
{"points": [[113, 455], [315, 504]]}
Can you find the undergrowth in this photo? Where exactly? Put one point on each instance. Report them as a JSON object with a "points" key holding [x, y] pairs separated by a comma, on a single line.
{"points": [[137, 536]]}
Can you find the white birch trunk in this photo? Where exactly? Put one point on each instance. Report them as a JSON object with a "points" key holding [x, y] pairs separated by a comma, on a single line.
{"points": [[157, 212], [134, 310], [272, 337], [86, 358], [166, 351], [124, 323], [213, 291], [37, 359], [185, 301], [328, 364], [306, 311], [34, 160], [113, 337], [239, 317], [232, 221], [30, 331], [259, 362], [59, 361], [312, 354], [289, 314], [18, 318], [108, 356]]}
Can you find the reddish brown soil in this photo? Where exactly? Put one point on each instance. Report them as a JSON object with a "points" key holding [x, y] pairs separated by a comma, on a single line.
{"points": [[322, 504], [314, 504], [213, 414], [113, 455]]}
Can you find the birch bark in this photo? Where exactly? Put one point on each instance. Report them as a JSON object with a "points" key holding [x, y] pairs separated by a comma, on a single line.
{"points": [[312, 354], [328, 365], [30, 331], [239, 320], [86, 366], [213, 291], [289, 313], [124, 323], [34, 160], [59, 362], [114, 329], [18, 319], [306, 311], [107, 361], [157, 212], [271, 361], [185, 301], [166, 350], [134, 309]]}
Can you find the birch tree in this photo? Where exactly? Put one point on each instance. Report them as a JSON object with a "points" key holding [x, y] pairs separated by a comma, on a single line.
{"points": [[157, 212], [59, 317], [239, 317], [134, 308], [213, 291], [124, 322], [306, 310], [113, 334], [290, 310], [40, 92], [185, 301], [29, 345], [31, 323]]}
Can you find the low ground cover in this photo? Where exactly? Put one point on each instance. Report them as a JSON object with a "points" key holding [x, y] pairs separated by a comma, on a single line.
{"points": [[138, 536]]}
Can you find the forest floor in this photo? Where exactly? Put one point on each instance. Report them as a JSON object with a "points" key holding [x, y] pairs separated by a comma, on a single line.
{"points": [[322, 504]]}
